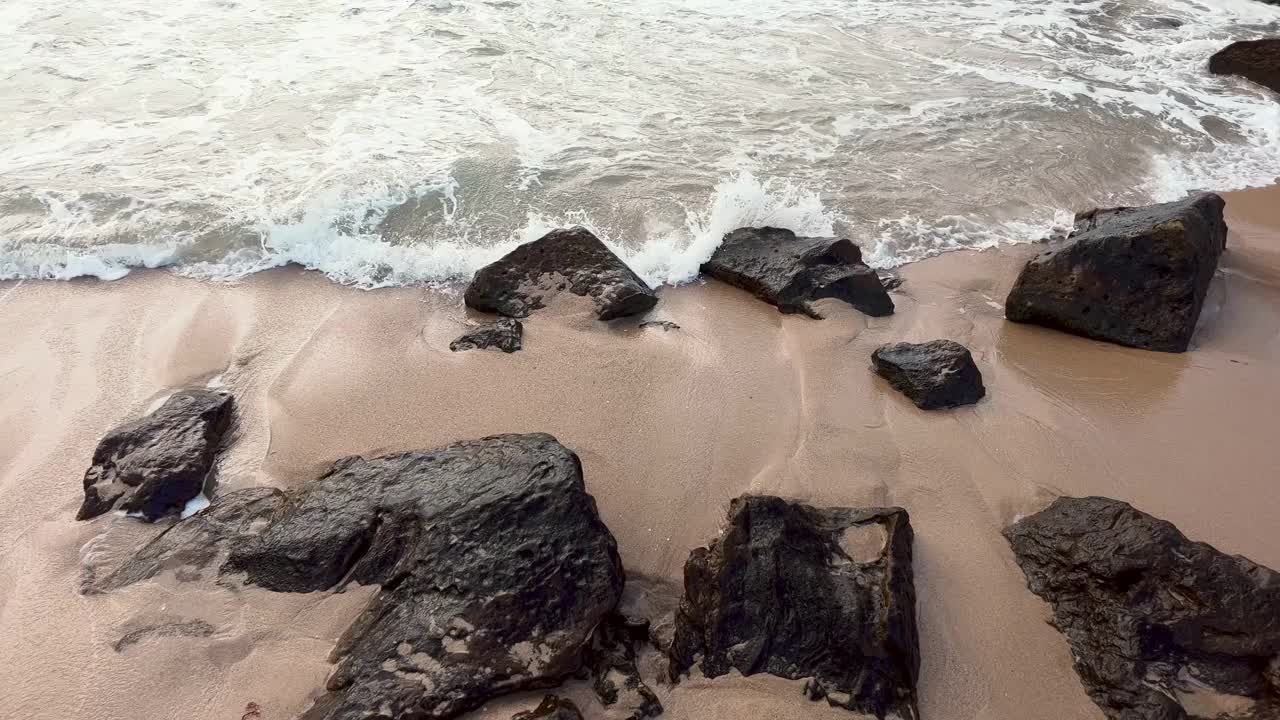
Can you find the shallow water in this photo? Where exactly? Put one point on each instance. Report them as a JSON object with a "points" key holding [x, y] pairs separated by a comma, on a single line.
{"points": [[394, 142]]}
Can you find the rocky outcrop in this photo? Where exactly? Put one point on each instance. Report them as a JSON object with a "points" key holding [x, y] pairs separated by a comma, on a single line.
{"points": [[934, 375], [791, 272], [153, 465], [1161, 628], [801, 592], [1132, 276], [551, 708], [611, 658], [1256, 60], [504, 334], [571, 260]]}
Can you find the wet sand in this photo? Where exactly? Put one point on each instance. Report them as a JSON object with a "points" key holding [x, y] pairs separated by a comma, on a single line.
{"points": [[669, 424]]}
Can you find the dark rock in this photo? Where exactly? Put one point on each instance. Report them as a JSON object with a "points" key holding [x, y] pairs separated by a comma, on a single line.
{"points": [[1132, 276], [936, 374], [155, 464], [666, 325], [890, 281], [195, 628], [791, 272], [504, 334], [1256, 60], [1152, 617], [802, 592], [573, 260], [611, 656], [551, 708]]}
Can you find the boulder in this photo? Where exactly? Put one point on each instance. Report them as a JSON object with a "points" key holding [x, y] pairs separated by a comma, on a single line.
{"points": [[504, 334], [802, 592], [936, 374], [1161, 627], [153, 465], [1131, 276], [611, 658], [1256, 60], [791, 272], [551, 708], [572, 260]]}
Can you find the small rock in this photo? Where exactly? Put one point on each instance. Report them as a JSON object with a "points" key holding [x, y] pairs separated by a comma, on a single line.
{"points": [[1256, 60], [195, 628], [934, 375], [551, 708], [504, 334], [666, 325], [890, 280], [791, 272], [611, 657]]}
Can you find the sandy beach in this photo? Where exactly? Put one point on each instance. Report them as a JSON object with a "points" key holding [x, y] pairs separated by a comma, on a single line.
{"points": [[669, 425]]}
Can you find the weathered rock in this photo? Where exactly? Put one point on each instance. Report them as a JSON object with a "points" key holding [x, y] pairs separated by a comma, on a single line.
{"points": [[1161, 628], [611, 657], [1132, 276], [934, 375], [551, 708], [802, 592], [1256, 60], [504, 334], [573, 260], [791, 272], [155, 464]]}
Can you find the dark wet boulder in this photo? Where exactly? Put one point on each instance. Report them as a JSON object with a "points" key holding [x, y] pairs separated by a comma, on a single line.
{"points": [[802, 592], [1256, 60], [1161, 628], [504, 334], [153, 465], [791, 272], [571, 260], [1131, 276], [551, 708], [611, 658], [934, 375]]}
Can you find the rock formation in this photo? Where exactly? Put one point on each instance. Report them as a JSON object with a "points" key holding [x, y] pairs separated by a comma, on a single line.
{"points": [[504, 334], [934, 375], [1256, 60]]}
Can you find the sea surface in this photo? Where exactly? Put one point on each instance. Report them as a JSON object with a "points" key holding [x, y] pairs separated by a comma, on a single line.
{"points": [[395, 142]]}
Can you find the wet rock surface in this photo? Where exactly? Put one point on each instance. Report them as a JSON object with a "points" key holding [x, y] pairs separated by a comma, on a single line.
{"points": [[570, 260], [155, 464], [1132, 276], [791, 272], [1161, 628], [504, 334], [802, 592], [551, 708], [934, 375], [1256, 60], [611, 658]]}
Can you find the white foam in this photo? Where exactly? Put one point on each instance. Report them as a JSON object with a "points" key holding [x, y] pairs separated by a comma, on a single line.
{"points": [[195, 505]]}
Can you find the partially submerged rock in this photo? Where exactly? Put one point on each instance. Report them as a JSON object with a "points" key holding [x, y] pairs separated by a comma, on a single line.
{"points": [[1161, 628], [551, 708], [791, 272], [611, 657], [1256, 60], [936, 374], [504, 334], [1132, 276], [572, 260], [153, 465], [802, 592]]}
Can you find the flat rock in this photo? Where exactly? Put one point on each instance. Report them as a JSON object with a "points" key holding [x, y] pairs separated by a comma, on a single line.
{"points": [[1256, 60], [802, 592], [791, 272], [1131, 276], [551, 708], [504, 334], [153, 465], [936, 374], [1161, 628], [570, 260]]}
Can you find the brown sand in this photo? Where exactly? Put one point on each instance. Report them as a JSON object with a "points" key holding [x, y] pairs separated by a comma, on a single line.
{"points": [[669, 425]]}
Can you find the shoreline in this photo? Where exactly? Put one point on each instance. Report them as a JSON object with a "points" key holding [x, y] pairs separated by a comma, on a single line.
{"points": [[669, 426]]}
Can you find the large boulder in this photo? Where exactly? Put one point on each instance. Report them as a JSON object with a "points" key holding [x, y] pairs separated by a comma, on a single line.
{"points": [[934, 375], [505, 334], [572, 260], [791, 272], [1132, 276], [802, 592], [1256, 60], [1161, 628], [153, 465]]}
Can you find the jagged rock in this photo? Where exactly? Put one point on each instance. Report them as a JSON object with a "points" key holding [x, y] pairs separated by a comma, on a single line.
{"points": [[936, 374], [155, 464], [611, 657], [1256, 60], [1132, 276], [791, 272], [1161, 628], [551, 708], [801, 592], [504, 334], [573, 260]]}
